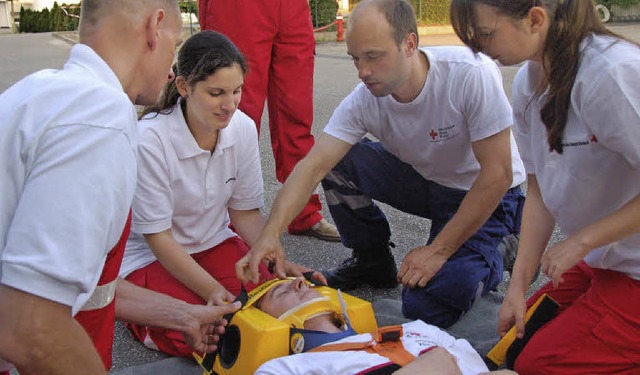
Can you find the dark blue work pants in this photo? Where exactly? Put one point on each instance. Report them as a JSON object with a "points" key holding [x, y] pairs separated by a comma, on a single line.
{"points": [[368, 172]]}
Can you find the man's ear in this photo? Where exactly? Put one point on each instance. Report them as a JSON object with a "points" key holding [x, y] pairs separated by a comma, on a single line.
{"points": [[154, 23], [537, 18], [410, 44]]}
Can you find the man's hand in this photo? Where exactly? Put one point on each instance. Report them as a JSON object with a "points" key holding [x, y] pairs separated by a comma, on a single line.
{"points": [[296, 270], [420, 265], [268, 250], [205, 325]]}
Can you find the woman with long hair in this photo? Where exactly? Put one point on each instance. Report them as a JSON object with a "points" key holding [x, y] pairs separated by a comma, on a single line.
{"points": [[198, 171], [576, 104]]}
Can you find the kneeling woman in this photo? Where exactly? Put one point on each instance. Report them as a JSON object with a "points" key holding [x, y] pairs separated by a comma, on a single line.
{"points": [[198, 171]]}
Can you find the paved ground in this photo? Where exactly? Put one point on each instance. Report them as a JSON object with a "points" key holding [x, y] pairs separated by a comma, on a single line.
{"points": [[335, 77]]}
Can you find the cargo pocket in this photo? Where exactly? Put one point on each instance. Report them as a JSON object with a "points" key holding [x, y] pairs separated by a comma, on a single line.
{"points": [[621, 336]]}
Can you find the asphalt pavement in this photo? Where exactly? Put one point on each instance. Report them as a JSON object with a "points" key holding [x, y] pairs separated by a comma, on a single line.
{"points": [[335, 77]]}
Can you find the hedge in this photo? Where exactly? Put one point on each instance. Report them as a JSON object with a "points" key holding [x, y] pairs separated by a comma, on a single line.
{"points": [[323, 12], [48, 20]]}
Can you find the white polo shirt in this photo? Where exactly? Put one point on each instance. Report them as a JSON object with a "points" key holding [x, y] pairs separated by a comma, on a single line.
{"points": [[599, 170], [67, 150], [462, 101], [187, 189], [417, 337]]}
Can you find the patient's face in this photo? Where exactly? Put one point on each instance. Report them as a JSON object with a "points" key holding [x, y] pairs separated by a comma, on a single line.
{"points": [[283, 297]]}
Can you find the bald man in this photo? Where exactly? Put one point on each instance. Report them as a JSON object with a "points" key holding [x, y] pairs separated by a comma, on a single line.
{"points": [[67, 149], [445, 152]]}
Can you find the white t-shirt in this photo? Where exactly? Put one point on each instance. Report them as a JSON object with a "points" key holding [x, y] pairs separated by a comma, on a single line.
{"points": [[418, 337], [67, 149], [462, 101], [599, 170], [187, 189]]}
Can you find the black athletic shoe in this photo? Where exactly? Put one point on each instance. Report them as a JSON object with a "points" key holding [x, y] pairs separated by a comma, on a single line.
{"points": [[509, 250], [376, 268]]}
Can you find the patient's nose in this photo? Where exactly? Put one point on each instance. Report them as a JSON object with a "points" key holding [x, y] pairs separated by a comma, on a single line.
{"points": [[299, 283]]}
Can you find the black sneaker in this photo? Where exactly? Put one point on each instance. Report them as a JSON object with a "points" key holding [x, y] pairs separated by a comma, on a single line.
{"points": [[509, 250], [374, 268]]}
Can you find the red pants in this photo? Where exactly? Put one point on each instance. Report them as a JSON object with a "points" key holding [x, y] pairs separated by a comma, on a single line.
{"points": [[99, 323], [597, 330], [218, 261], [277, 39]]}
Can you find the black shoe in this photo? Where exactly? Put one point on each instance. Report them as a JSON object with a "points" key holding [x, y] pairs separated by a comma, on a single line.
{"points": [[509, 250], [376, 268]]}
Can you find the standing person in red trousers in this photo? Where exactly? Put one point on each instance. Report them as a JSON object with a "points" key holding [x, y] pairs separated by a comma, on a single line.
{"points": [[277, 38]]}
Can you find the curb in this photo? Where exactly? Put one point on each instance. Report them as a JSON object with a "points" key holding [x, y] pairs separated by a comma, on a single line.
{"points": [[67, 36]]}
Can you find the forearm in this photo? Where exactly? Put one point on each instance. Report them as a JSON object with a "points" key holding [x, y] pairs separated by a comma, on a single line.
{"points": [[295, 193], [180, 264], [40, 336], [292, 197], [477, 206], [537, 227], [142, 306], [248, 224]]}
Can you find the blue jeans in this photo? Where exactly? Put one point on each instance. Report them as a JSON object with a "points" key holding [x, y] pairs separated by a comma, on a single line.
{"points": [[369, 172]]}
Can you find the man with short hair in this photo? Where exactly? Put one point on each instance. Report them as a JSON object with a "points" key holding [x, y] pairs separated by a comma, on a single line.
{"points": [[68, 149], [445, 152]]}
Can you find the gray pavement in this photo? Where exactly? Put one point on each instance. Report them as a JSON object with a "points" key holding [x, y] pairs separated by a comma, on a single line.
{"points": [[335, 77]]}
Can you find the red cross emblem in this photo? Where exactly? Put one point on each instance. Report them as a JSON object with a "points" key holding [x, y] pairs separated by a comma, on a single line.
{"points": [[594, 139], [433, 134]]}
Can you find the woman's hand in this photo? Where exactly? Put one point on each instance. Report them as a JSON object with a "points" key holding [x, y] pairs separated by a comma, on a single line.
{"points": [[561, 257], [219, 296], [512, 312]]}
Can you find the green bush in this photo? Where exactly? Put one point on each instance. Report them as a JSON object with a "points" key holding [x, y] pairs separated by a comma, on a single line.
{"points": [[48, 20], [430, 12], [189, 6], [323, 12]]}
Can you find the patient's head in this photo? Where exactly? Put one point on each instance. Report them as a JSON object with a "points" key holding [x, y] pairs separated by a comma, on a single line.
{"points": [[286, 296]]}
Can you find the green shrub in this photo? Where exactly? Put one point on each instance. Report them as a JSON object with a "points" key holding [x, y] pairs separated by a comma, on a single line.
{"points": [[323, 12], [48, 20], [189, 6], [429, 12]]}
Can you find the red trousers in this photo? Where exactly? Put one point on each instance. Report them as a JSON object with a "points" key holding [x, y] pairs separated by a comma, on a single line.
{"points": [[277, 39], [219, 261], [100, 323], [597, 330]]}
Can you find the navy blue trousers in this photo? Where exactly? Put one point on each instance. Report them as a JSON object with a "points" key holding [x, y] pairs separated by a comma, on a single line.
{"points": [[369, 172]]}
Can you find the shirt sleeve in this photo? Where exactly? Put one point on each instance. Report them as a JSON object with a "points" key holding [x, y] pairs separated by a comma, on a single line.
{"points": [[153, 202], [522, 129], [611, 110], [72, 211], [348, 120], [485, 104], [248, 193]]}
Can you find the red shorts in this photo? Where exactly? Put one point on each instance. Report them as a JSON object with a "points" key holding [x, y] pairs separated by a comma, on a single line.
{"points": [[597, 330], [219, 261]]}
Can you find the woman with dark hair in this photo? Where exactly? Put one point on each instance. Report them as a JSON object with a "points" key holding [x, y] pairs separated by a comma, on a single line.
{"points": [[577, 113], [198, 170]]}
